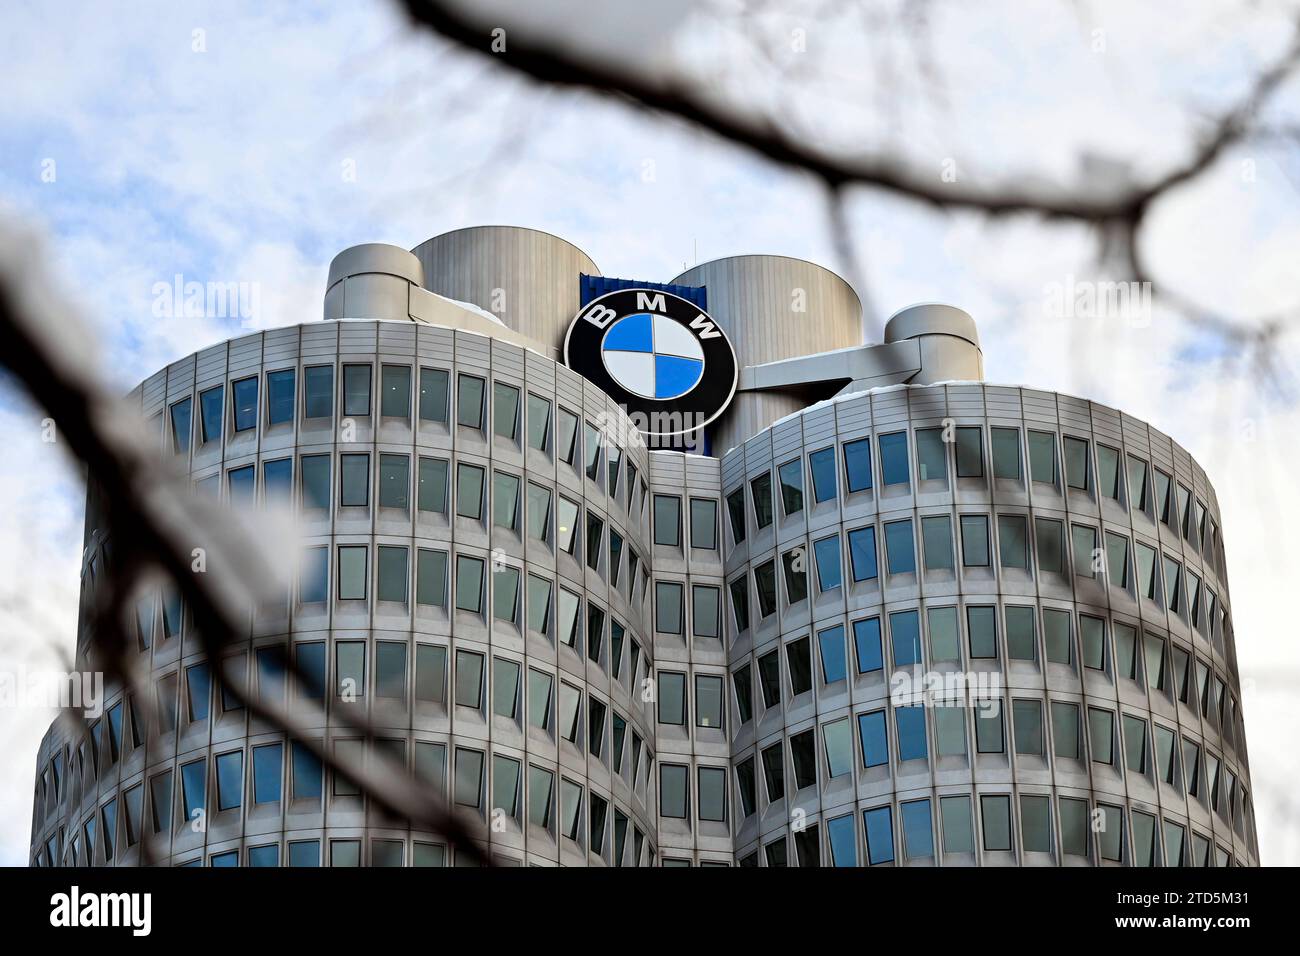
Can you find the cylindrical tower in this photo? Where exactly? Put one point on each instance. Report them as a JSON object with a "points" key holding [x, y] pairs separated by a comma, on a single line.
{"points": [[528, 278], [772, 308]]}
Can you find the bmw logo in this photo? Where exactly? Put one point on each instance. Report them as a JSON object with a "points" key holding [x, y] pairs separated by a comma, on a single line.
{"points": [[666, 362]]}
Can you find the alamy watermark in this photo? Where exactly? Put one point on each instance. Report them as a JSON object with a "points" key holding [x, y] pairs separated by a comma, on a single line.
{"points": [[1129, 302], [181, 299], [77, 690]]}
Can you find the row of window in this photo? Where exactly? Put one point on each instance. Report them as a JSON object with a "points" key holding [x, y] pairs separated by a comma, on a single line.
{"points": [[1131, 566], [1058, 637], [917, 830], [888, 738], [545, 427], [1147, 490], [200, 791]]}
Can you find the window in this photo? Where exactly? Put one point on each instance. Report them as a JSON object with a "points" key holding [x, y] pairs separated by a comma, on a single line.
{"points": [[566, 436], [1153, 649], [1056, 636], [769, 679], [198, 681], [539, 421], [468, 785], [352, 572], [827, 553], [742, 683], [873, 739], [1101, 729], [1013, 541], [736, 511], [705, 610], [936, 541], [704, 524], [790, 476], [982, 631], [395, 481], [761, 489], [867, 645], [989, 735], [505, 410], [354, 477], [469, 491], [1144, 845], [1042, 457], [356, 390], [796, 580], [803, 750], [1083, 541], [318, 391], [672, 698], [210, 412], [740, 602], [469, 401], [931, 455], [708, 701], [431, 578], [798, 655], [180, 418], [1108, 472], [434, 387], [277, 481], [831, 642], [857, 465], [1027, 726], [945, 645], [975, 541], [713, 794], [230, 780], [505, 594], [1076, 463], [672, 790], [1135, 744], [1006, 452], [505, 500], [893, 458], [905, 637], [1036, 823], [242, 484], [569, 605], [432, 491], [395, 389], [879, 825], [539, 604], [668, 520], [995, 813], [843, 841], [862, 553], [390, 669], [591, 451], [244, 396], [267, 771], [822, 465], [900, 552], [1051, 545], [955, 816], [1146, 571], [566, 525], [668, 607], [469, 584], [970, 452], [911, 733], [1065, 730]]}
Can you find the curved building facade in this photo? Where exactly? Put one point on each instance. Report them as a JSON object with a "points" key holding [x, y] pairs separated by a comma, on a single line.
{"points": [[927, 622]]}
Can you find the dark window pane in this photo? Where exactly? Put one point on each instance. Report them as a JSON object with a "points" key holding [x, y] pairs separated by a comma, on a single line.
{"points": [[356, 390], [318, 391]]}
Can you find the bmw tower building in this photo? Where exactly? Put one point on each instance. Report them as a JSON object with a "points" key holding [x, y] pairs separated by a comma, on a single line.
{"points": [[672, 574]]}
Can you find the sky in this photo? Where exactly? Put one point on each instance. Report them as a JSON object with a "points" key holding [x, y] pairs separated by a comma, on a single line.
{"points": [[235, 143]]}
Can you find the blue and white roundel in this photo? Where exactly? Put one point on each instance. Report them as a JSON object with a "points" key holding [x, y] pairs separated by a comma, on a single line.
{"points": [[652, 356]]}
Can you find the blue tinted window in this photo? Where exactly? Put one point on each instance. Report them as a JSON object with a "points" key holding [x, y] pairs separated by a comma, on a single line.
{"points": [[277, 478], [245, 398], [893, 458], [181, 427], [844, 850], [308, 776], [911, 733], [313, 583], [318, 402], [304, 853], [266, 773], [875, 742], [242, 484], [866, 640], [279, 402], [311, 659], [918, 833], [230, 780], [900, 552], [880, 835], [822, 464], [832, 644], [199, 681], [229, 858], [862, 553], [827, 551], [210, 409], [857, 464], [905, 637], [268, 855], [193, 780]]}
